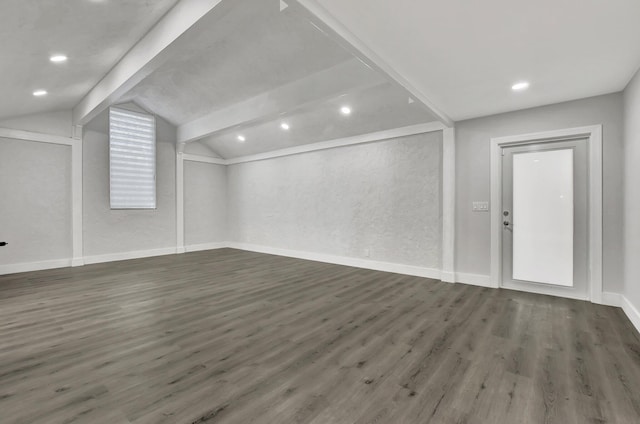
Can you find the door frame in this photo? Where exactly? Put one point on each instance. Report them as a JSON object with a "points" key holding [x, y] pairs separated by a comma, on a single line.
{"points": [[593, 134]]}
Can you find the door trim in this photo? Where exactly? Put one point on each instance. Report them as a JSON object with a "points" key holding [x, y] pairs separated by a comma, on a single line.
{"points": [[593, 134]]}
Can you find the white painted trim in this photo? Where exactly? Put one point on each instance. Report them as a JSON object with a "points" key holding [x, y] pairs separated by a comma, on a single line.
{"points": [[612, 299], [632, 312], [621, 301], [76, 182], [180, 199], [594, 135], [342, 260], [206, 246], [201, 158], [548, 292], [342, 142], [77, 202], [123, 256], [341, 34], [448, 204], [595, 211], [35, 136], [34, 266], [473, 279], [143, 58]]}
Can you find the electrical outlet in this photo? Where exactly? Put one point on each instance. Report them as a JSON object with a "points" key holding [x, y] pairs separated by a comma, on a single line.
{"points": [[481, 206]]}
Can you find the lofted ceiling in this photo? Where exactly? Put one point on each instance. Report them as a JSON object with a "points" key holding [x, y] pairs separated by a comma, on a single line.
{"points": [[94, 34], [246, 71], [251, 50], [373, 109], [221, 69], [465, 55]]}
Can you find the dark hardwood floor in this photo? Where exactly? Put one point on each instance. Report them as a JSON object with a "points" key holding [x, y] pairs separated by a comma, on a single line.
{"points": [[235, 337]]}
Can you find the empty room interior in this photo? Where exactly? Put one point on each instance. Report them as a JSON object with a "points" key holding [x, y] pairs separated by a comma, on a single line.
{"points": [[319, 211]]}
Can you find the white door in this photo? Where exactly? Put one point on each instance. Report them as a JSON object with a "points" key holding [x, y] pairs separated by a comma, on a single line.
{"points": [[545, 218]]}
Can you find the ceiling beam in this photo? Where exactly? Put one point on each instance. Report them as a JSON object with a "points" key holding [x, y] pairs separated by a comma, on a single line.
{"points": [[145, 57], [314, 89], [328, 24]]}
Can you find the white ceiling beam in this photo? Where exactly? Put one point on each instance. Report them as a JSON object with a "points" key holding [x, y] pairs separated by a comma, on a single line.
{"points": [[327, 23], [314, 89], [144, 58]]}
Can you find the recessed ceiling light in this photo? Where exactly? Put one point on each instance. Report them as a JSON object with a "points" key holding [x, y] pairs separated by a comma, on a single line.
{"points": [[520, 86], [40, 93], [241, 138], [284, 126], [345, 110], [58, 58]]}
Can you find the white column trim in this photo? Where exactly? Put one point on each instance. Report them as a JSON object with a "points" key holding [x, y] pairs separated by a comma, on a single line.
{"points": [[594, 135], [448, 205], [77, 199], [180, 198]]}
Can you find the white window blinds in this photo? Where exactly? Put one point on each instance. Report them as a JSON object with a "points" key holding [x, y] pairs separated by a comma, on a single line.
{"points": [[132, 160]]}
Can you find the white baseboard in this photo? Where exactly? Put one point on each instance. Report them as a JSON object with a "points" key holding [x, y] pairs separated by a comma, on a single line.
{"points": [[34, 266], [473, 279], [205, 246], [448, 276], [111, 257], [416, 271], [632, 312], [612, 299]]}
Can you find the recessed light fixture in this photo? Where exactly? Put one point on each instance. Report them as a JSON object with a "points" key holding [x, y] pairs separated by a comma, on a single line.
{"points": [[241, 138], [59, 58], [284, 126], [520, 86], [40, 93], [345, 110]]}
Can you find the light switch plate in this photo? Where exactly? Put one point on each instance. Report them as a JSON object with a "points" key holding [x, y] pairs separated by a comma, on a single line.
{"points": [[481, 206]]}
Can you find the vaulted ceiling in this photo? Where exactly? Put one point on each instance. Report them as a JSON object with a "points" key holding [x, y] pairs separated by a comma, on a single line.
{"points": [[94, 34], [223, 71]]}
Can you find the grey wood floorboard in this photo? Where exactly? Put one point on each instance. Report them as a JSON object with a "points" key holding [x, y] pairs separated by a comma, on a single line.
{"points": [[237, 337]]}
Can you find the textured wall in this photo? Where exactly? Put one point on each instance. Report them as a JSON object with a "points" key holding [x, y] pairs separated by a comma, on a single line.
{"points": [[205, 203], [379, 201], [473, 179], [56, 123], [117, 231], [35, 201], [632, 192]]}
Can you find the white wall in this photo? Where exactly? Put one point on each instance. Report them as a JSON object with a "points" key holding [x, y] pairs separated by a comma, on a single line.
{"points": [[35, 202], [109, 231], [55, 123], [632, 191], [379, 201], [205, 203], [473, 176]]}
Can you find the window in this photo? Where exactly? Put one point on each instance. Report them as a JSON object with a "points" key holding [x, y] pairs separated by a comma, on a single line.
{"points": [[132, 160]]}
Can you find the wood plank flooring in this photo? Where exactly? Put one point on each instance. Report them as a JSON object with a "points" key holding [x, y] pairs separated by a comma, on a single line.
{"points": [[235, 337]]}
